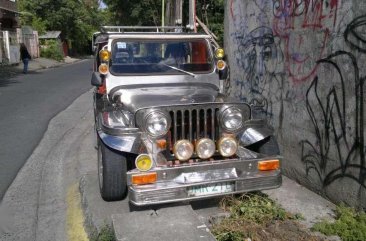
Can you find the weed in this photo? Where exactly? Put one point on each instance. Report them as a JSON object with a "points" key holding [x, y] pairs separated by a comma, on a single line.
{"points": [[52, 49], [349, 224], [256, 217], [106, 234], [256, 207]]}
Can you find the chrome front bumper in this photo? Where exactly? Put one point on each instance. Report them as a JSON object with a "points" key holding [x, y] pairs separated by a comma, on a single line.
{"points": [[174, 183]]}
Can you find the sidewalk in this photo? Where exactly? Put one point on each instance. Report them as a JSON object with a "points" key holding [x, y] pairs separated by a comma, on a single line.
{"points": [[9, 71]]}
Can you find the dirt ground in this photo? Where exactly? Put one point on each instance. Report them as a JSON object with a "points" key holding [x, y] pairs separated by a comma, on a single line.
{"points": [[288, 230]]}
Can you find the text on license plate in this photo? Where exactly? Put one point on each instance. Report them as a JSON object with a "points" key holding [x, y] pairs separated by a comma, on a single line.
{"points": [[210, 189]]}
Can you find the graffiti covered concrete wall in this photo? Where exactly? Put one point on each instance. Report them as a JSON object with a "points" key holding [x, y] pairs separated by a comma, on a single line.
{"points": [[302, 63]]}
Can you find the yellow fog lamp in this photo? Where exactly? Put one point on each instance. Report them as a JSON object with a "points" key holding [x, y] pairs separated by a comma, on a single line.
{"points": [[219, 53], [103, 69], [104, 55], [143, 162], [227, 146], [268, 165], [205, 148], [221, 65], [183, 150]]}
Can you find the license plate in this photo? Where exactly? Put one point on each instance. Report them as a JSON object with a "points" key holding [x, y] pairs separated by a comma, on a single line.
{"points": [[210, 189]]}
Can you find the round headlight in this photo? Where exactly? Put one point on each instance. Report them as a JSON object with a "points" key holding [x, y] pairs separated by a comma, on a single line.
{"points": [[205, 148], [183, 150], [157, 124], [227, 146], [232, 119]]}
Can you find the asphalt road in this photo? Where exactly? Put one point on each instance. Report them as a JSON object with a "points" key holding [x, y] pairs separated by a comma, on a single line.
{"points": [[27, 104]]}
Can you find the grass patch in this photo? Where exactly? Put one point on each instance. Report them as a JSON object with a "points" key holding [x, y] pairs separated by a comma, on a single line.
{"points": [[106, 234], [256, 217], [349, 224]]}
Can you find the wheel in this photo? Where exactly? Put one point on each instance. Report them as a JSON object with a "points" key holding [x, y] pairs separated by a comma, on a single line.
{"points": [[112, 173], [267, 146]]}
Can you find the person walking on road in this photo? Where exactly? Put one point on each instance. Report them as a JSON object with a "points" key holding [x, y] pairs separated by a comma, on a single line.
{"points": [[25, 56]]}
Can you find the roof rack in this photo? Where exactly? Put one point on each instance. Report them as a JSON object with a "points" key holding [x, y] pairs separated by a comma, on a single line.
{"points": [[124, 29]]}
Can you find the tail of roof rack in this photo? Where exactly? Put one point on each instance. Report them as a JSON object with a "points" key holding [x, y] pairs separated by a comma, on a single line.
{"points": [[124, 29]]}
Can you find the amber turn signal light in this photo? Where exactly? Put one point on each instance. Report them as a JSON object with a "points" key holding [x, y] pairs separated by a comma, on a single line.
{"points": [[104, 55], [268, 165], [103, 69], [219, 53], [221, 64], [146, 178]]}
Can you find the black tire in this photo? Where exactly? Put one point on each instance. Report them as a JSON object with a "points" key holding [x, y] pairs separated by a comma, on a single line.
{"points": [[112, 173], [267, 146]]}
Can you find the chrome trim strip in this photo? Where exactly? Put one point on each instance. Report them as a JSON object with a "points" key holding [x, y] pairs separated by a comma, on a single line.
{"points": [[166, 192]]}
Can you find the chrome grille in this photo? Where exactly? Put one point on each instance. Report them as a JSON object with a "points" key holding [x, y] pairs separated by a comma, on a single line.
{"points": [[194, 123]]}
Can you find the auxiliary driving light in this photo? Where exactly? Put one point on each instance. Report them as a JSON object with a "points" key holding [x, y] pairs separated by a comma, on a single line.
{"points": [[183, 150], [143, 162], [205, 148], [104, 55], [103, 69], [227, 146]]}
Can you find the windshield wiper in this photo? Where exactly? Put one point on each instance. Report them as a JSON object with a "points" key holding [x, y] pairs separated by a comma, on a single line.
{"points": [[180, 70]]}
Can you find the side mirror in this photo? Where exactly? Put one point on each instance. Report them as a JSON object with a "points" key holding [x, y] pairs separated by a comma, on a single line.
{"points": [[96, 79]]}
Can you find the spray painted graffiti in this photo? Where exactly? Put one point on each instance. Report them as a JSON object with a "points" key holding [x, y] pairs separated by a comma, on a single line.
{"points": [[298, 23], [355, 38], [259, 57], [339, 129]]}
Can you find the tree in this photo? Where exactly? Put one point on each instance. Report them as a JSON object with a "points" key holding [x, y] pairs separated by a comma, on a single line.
{"points": [[148, 13], [76, 19], [135, 12]]}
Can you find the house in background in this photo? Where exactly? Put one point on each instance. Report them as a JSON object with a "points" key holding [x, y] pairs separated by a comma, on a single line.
{"points": [[8, 15], [9, 32], [56, 36]]}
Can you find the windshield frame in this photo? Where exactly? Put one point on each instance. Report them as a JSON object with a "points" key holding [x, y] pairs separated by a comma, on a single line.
{"points": [[209, 51]]}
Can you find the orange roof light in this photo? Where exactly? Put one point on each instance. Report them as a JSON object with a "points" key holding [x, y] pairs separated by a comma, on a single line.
{"points": [[104, 55], [146, 178], [221, 64], [268, 165], [103, 69]]}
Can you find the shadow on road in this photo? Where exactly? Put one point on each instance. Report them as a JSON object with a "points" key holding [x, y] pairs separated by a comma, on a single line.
{"points": [[9, 73]]}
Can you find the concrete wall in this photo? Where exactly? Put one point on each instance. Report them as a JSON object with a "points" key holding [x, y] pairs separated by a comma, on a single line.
{"points": [[303, 62]]}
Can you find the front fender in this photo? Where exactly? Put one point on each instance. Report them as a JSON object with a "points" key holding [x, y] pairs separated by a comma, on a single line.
{"points": [[127, 143], [255, 130]]}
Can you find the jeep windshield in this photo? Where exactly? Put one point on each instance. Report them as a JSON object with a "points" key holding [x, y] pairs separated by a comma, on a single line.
{"points": [[160, 57]]}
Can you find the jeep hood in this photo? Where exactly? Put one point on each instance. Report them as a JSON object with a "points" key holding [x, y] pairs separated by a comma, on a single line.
{"points": [[138, 96]]}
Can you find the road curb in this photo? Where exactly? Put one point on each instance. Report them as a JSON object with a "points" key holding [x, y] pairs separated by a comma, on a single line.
{"points": [[160, 222]]}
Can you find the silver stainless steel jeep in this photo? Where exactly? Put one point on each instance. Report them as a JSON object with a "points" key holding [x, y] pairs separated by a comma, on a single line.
{"points": [[166, 131]]}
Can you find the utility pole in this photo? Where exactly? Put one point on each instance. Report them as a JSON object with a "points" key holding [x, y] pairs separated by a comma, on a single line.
{"points": [[173, 13], [192, 15]]}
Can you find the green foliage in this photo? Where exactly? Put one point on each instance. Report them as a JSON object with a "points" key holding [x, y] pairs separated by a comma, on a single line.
{"points": [[106, 234], [52, 50], [212, 13], [148, 13], [230, 236], [135, 12], [76, 19], [249, 214], [256, 207], [39, 25], [349, 225]]}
